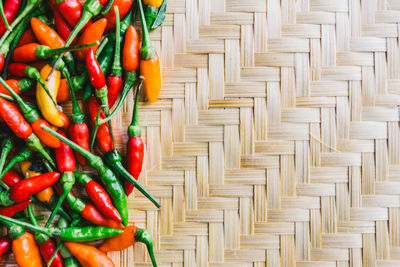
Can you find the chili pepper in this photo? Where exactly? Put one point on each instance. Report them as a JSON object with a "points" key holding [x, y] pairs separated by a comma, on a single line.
{"points": [[135, 147], [66, 164], [10, 178], [49, 109], [27, 37], [149, 63], [114, 80], [155, 3], [11, 8], [154, 15], [108, 177], [44, 195], [103, 136], [71, 11], [78, 234], [49, 206], [6, 146], [5, 244], [79, 131], [24, 154], [33, 51], [50, 37], [63, 94], [124, 6], [24, 189], [24, 247], [12, 210], [131, 50], [129, 237], [96, 75], [18, 86], [99, 196], [93, 33], [32, 115], [23, 70], [69, 259], [63, 28], [89, 256], [3, 16]]}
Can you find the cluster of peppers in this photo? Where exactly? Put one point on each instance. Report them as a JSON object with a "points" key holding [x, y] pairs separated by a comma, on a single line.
{"points": [[51, 51]]}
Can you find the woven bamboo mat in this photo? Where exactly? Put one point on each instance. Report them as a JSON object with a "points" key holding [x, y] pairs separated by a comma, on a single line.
{"points": [[275, 141]]}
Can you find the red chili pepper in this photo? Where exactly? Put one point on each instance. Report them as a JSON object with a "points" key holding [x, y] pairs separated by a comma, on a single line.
{"points": [[5, 244], [47, 249], [10, 178], [99, 196], [30, 186], [135, 147], [71, 10], [27, 37], [92, 34], [17, 86], [63, 28], [1, 61], [10, 211], [91, 214], [11, 8], [65, 157], [14, 119], [79, 133], [96, 75], [103, 135]]}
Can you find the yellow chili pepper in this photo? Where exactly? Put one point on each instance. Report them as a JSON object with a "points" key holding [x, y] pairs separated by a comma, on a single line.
{"points": [[46, 106], [44, 195]]}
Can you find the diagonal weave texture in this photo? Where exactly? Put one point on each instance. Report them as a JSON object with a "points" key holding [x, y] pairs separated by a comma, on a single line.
{"points": [[275, 141]]}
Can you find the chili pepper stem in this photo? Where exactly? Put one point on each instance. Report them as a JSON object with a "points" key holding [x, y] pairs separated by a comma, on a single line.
{"points": [[108, 8], [95, 128], [147, 51], [6, 97], [6, 147], [77, 115], [55, 253], [39, 229], [142, 235], [3, 17], [33, 141]]}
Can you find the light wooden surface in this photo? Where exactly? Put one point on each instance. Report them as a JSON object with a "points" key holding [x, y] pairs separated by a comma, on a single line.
{"points": [[275, 141]]}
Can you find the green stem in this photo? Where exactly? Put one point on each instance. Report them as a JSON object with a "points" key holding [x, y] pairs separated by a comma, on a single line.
{"points": [[77, 115], [22, 155], [147, 51], [108, 7], [6, 147], [95, 128], [62, 212], [45, 52], [116, 69], [39, 229], [134, 129], [3, 17], [34, 142], [6, 97]]}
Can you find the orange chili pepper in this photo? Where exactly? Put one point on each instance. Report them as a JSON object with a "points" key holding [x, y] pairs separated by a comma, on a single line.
{"points": [[89, 256], [149, 63], [63, 91], [156, 3], [46, 35], [44, 195], [92, 34], [130, 53], [26, 252], [64, 118]]}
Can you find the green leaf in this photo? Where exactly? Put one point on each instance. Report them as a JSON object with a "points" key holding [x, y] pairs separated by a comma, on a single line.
{"points": [[160, 16]]}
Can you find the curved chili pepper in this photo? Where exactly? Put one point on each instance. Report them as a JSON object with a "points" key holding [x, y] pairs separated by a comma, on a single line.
{"points": [[33, 51], [48, 36], [5, 244], [93, 33], [10, 178], [129, 237], [86, 233], [6, 146], [149, 63], [32, 115], [10, 211], [135, 147], [109, 179], [66, 164], [79, 131], [11, 8], [23, 154], [44, 195], [103, 136], [114, 80], [96, 75], [47, 108], [124, 6], [13, 118], [18, 86], [99, 196], [27, 37], [24, 189], [89, 256]]}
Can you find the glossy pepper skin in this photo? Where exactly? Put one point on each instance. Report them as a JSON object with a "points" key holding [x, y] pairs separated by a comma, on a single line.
{"points": [[155, 3], [23, 154], [10, 211], [47, 250], [26, 252], [129, 237], [24, 189], [46, 106], [149, 63], [11, 8], [18, 86], [99, 197], [124, 6], [63, 28], [135, 148], [5, 244], [65, 157], [44, 195], [14, 119], [131, 50], [93, 33], [27, 37], [63, 94], [103, 136], [71, 10], [89, 256], [96, 75], [10, 178]]}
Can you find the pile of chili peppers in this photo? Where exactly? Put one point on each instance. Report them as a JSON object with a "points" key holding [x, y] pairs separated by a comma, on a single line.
{"points": [[52, 52]]}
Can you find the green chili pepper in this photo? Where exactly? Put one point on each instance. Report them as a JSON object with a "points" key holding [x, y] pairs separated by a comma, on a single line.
{"points": [[6, 147], [159, 18], [86, 233]]}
